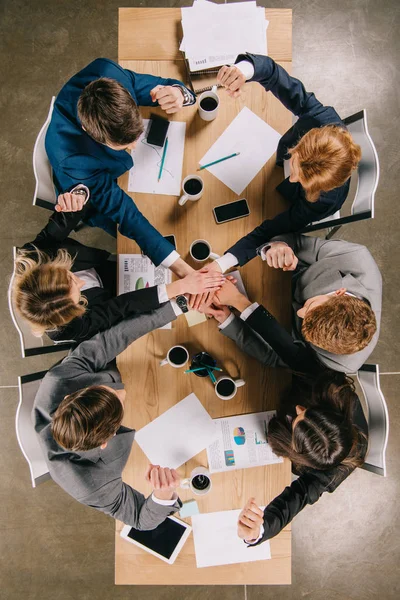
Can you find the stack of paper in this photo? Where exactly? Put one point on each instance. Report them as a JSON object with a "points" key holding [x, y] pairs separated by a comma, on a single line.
{"points": [[214, 34]]}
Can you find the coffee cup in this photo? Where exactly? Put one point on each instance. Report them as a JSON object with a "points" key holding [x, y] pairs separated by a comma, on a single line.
{"points": [[192, 187], [226, 387], [200, 250], [177, 357], [199, 481], [209, 104]]}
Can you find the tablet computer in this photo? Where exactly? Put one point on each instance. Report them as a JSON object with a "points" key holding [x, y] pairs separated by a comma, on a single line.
{"points": [[165, 541]]}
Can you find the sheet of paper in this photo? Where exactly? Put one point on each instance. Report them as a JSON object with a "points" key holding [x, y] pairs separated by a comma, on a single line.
{"points": [[143, 177], [193, 317], [216, 541], [178, 434], [239, 282], [253, 138], [136, 272], [241, 442]]}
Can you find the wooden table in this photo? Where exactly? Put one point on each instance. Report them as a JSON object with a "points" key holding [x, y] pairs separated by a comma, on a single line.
{"points": [[148, 41]]}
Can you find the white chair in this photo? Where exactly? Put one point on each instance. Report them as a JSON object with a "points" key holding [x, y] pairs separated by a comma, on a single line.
{"points": [[367, 183], [377, 418], [45, 195], [26, 435], [30, 344]]}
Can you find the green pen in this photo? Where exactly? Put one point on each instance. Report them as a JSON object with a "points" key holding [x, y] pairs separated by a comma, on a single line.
{"points": [[218, 161], [163, 160]]}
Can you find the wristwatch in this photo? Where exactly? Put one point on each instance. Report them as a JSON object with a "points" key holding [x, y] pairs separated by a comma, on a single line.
{"points": [[182, 303], [187, 99]]}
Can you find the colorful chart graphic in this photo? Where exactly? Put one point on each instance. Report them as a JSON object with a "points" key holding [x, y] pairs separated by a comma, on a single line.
{"points": [[141, 283], [229, 458], [239, 436]]}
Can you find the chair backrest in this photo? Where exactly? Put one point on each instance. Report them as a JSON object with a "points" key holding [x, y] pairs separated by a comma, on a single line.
{"points": [[30, 344], [45, 194], [377, 418], [26, 435], [363, 206]]}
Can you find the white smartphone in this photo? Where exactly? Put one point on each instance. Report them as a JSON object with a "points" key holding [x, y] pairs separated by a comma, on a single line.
{"points": [[164, 542], [231, 211]]}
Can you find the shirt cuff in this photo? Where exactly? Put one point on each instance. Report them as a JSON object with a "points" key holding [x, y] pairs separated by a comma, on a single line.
{"points": [[170, 259], [175, 308], [162, 293], [80, 186], [226, 261], [249, 311], [247, 69], [165, 502], [253, 542], [263, 251], [227, 322]]}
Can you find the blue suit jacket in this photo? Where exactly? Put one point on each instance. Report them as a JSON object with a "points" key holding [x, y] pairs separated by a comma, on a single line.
{"points": [[311, 113], [77, 158]]}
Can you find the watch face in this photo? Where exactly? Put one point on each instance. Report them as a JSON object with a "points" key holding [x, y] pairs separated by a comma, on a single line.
{"points": [[182, 303]]}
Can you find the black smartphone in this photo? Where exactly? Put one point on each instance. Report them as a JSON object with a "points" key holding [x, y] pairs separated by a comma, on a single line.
{"points": [[231, 211], [171, 239], [157, 131]]}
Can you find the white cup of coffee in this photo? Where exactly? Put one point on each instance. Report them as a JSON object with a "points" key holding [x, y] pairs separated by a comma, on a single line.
{"points": [[200, 250], [199, 481], [226, 387], [209, 104], [192, 187], [177, 357]]}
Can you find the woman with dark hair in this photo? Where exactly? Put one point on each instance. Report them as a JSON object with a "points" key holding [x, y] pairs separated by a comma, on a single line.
{"points": [[320, 427]]}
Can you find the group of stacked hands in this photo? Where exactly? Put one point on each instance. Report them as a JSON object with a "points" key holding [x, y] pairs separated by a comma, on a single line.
{"points": [[67, 290]]}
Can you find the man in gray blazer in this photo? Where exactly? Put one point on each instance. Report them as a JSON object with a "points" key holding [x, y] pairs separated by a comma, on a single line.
{"points": [[336, 300], [79, 404]]}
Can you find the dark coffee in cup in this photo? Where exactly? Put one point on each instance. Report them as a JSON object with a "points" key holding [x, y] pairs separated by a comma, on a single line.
{"points": [[200, 251], [226, 387], [208, 104], [193, 187], [177, 356], [200, 482]]}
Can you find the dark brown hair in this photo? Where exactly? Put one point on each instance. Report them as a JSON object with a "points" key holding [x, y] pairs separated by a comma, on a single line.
{"points": [[326, 436], [87, 418], [341, 325], [41, 290], [326, 158], [108, 113]]}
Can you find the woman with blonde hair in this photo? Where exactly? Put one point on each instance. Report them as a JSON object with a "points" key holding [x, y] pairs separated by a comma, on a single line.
{"points": [[318, 152], [68, 290]]}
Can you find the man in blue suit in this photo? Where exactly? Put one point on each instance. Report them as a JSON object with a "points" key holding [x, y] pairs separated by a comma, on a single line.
{"points": [[95, 119]]}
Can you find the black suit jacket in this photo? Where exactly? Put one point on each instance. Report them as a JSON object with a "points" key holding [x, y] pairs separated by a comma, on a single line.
{"points": [[104, 308], [311, 484], [311, 113]]}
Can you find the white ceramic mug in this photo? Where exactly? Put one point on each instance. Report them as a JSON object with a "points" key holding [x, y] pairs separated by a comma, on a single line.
{"points": [[170, 360], [209, 255], [236, 384], [187, 195], [209, 115], [200, 475]]}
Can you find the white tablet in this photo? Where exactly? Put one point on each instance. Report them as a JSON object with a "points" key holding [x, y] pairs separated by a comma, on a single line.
{"points": [[165, 541]]}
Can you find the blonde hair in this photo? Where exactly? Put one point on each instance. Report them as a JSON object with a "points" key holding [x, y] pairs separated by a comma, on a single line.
{"points": [[42, 290], [326, 158]]}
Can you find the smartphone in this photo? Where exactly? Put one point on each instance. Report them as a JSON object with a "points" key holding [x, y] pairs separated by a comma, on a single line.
{"points": [[171, 239], [231, 211], [157, 131]]}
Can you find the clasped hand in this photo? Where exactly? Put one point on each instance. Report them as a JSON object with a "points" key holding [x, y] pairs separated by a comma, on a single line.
{"points": [[169, 98]]}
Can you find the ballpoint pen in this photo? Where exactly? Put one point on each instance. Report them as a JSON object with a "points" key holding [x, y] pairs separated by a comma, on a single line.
{"points": [[218, 161], [163, 159]]}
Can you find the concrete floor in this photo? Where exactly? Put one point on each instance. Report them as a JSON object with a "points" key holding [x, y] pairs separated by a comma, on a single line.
{"points": [[344, 548]]}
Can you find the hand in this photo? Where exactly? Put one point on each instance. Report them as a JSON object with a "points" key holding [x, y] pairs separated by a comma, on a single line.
{"points": [[70, 202], [281, 256], [212, 267], [197, 300], [232, 79], [201, 281], [228, 294], [163, 480], [250, 520], [168, 97], [220, 313]]}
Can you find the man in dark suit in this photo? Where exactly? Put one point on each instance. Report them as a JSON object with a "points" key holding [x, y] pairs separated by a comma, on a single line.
{"points": [[95, 119]]}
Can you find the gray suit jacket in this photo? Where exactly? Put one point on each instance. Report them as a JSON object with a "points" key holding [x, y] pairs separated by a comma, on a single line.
{"points": [[94, 477], [325, 266]]}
